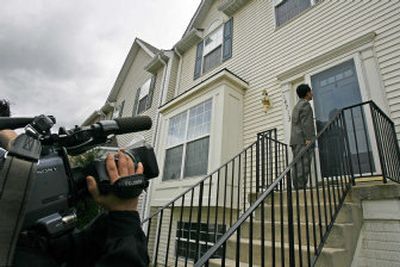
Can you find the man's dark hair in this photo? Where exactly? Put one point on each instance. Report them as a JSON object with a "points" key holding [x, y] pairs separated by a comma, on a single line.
{"points": [[302, 90], [4, 108]]}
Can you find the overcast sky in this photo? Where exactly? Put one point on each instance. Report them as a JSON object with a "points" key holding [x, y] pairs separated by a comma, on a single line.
{"points": [[61, 57]]}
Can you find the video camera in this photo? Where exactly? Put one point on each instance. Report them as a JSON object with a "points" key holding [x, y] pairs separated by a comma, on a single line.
{"points": [[57, 187]]}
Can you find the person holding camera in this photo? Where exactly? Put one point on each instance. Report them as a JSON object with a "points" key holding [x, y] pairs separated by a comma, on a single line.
{"points": [[115, 238]]}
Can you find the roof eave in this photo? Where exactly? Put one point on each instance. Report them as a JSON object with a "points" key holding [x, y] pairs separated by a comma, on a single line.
{"points": [[192, 38]]}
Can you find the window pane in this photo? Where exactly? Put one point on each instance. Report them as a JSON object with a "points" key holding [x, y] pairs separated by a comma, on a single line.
{"points": [[142, 105], [199, 120], [177, 129], [288, 9], [196, 160], [144, 90], [172, 164], [213, 40], [212, 59]]}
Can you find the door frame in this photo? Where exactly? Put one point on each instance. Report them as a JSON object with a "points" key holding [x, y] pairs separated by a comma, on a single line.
{"points": [[365, 96]]}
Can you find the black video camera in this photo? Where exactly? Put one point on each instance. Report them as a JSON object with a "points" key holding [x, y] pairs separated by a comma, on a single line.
{"points": [[57, 187]]}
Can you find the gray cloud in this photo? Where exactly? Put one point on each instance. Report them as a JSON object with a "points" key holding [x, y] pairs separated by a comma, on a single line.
{"points": [[62, 57]]}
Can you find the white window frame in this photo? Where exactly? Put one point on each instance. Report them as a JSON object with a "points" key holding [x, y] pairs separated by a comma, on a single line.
{"points": [[220, 29], [116, 111], [276, 3], [187, 140], [144, 91]]}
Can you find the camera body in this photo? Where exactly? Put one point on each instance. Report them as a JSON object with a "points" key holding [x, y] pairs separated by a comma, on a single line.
{"points": [[57, 188]]}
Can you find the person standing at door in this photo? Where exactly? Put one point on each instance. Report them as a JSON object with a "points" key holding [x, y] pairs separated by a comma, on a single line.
{"points": [[302, 134]]}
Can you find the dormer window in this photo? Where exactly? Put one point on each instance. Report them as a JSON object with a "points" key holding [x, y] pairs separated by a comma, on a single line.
{"points": [[214, 49]]}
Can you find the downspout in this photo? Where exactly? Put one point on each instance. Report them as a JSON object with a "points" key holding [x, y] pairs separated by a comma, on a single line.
{"points": [[178, 79]]}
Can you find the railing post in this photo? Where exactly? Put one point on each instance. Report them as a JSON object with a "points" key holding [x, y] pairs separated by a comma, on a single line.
{"points": [[258, 163]]}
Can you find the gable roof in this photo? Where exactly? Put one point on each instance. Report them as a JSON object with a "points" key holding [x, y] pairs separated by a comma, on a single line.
{"points": [[137, 44]]}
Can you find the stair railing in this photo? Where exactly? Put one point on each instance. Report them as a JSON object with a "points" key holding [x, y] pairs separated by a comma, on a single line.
{"points": [[289, 226], [181, 231]]}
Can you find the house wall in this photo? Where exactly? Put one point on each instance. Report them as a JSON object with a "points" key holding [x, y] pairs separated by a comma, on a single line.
{"points": [[262, 52], [135, 78]]}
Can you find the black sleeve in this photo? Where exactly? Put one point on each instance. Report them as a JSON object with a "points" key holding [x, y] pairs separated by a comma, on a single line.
{"points": [[114, 239]]}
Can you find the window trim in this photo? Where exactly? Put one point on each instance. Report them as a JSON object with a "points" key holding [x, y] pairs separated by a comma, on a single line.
{"points": [[150, 85], [220, 46], [225, 39], [187, 140]]}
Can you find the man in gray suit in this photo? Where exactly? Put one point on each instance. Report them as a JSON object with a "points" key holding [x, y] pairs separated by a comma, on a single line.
{"points": [[302, 133]]}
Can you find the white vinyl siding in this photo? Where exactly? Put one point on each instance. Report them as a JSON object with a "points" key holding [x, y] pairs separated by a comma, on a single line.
{"points": [[262, 52]]}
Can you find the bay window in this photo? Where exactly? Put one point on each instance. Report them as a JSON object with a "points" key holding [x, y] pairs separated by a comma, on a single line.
{"points": [[188, 143]]}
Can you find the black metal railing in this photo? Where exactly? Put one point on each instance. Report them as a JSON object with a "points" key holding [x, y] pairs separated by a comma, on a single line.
{"points": [[180, 232], [289, 225]]}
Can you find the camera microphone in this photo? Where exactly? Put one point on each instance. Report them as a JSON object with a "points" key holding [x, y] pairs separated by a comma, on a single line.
{"points": [[135, 124]]}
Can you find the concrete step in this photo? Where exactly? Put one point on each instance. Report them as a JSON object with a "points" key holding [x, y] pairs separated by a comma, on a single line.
{"points": [[300, 211], [309, 195], [325, 257], [343, 229]]}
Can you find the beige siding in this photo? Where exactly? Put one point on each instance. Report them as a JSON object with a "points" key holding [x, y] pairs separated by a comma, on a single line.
{"points": [[136, 77], [261, 51], [172, 77]]}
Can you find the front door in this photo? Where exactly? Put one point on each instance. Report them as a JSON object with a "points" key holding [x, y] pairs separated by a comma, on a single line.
{"points": [[333, 90]]}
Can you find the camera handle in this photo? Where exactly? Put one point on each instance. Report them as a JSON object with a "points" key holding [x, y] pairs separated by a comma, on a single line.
{"points": [[126, 187], [16, 179]]}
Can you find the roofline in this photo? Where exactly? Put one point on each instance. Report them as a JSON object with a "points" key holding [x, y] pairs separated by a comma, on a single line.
{"points": [[125, 67]]}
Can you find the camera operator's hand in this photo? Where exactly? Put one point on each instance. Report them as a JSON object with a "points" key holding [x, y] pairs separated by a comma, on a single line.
{"points": [[6, 138], [124, 167]]}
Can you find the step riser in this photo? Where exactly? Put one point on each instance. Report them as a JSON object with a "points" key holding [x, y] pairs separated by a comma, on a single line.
{"points": [[313, 194], [345, 217], [344, 229], [244, 254]]}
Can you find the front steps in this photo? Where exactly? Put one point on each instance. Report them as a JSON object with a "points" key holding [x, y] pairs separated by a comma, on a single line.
{"points": [[337, 251]]}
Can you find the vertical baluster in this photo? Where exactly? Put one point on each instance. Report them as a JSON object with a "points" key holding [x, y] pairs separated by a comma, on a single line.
{"points": [[370, 160], [292, 261], [159, 235], [356, 142], [312, 159], [199, 212], [169, 233], [232, 190], [190, 226], [300, 251]]}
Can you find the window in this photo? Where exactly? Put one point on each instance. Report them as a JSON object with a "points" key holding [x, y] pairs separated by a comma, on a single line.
{"points": [[288, 9], [187, 235], [119, 108], [214, 49], [144, 96], [188, 143]]}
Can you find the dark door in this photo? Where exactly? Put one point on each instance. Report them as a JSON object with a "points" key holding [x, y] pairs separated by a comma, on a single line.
{"points": [[335, 89]]}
